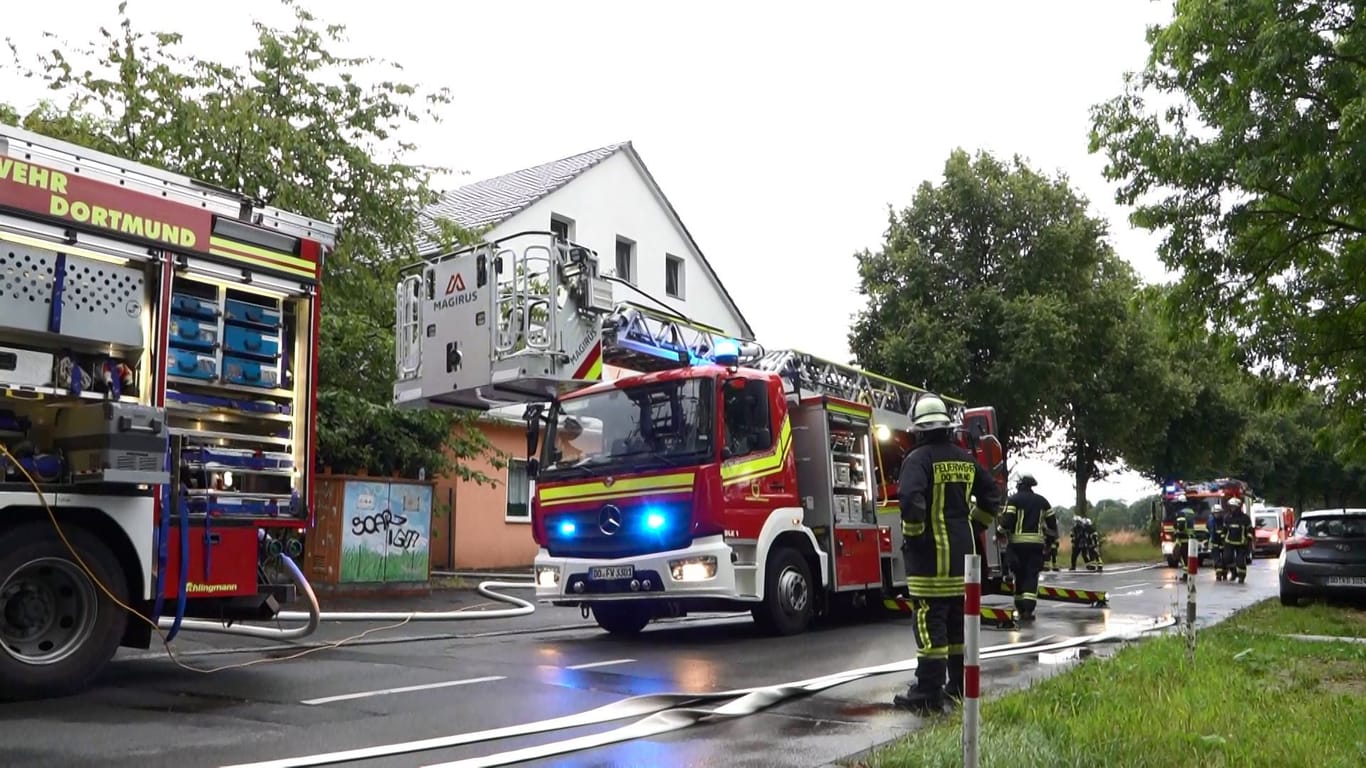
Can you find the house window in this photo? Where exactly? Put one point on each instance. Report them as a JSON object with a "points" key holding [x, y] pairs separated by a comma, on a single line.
{"points": [[673, 276], [626, 260], [562, 226], [519, 492]]}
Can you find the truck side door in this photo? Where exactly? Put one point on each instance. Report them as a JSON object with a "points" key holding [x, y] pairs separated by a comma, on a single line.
{"points": [[757, 472]]}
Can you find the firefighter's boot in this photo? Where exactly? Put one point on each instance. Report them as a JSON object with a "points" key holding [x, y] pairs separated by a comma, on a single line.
{"points": [[921, 702], [954, 690]]}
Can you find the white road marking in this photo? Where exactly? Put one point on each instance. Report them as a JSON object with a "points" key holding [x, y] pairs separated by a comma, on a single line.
{"points": [[1131, 586], [600, 664], [404, 689]]}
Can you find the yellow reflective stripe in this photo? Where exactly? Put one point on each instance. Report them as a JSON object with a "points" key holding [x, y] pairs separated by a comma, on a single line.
{"points": [[265, 253], [935, 586], [942, 552], [850, 410], [629, 486], [747, 469], [955, 649], [912, 529], [981, 516], [1026, 538]]}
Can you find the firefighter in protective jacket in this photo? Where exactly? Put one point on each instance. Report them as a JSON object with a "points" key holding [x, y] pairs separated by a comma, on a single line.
{"points": [[936, 483], [1183, 526], [1237, 536], [1027, 521]]}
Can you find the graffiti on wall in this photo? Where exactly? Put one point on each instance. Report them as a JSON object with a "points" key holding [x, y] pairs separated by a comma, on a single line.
{"points": [[387, 532]]}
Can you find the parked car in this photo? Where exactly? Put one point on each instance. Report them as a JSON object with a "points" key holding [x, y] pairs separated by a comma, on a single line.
{"points": [[1325, 555], [1269, 532]]}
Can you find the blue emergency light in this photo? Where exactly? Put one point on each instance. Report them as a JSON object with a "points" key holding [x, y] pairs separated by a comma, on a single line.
{"points": [[567, 528], [654, 521], [726, 352]]}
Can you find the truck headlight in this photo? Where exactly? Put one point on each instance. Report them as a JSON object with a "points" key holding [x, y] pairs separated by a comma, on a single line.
{"points": [[693, 568], [547, 576]]}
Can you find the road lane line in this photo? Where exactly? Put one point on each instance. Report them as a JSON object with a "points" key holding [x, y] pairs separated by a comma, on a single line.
{"points": [[1131, 586], [600, 664], [404, 689]]}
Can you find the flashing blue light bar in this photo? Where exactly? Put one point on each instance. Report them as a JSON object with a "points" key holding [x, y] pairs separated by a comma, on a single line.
{"points": [[567, 528], [654, 521], [726, 352]]}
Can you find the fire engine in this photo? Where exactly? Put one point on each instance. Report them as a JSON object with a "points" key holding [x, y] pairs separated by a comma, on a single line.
{"points": [[1200, 498], [714, 476], [157, 390]]}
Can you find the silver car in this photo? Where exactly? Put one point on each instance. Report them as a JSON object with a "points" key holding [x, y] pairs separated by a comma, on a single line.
{"points": [[1325, 555]]}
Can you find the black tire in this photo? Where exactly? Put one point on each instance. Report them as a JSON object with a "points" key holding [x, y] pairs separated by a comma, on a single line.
{"points": [[789, 596], [623, 618], [47, 601], [1290, 601]]}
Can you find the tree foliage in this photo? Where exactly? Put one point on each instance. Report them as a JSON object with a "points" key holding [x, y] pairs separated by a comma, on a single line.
{"points": [[1240, 140], [971, 293], [302, 128]]}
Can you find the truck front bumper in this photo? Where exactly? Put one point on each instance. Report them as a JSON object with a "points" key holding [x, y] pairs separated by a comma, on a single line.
{"points": [[701, 570]]}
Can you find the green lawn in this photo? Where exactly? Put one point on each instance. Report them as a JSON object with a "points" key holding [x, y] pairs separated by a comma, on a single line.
{"points": [[1252, 699]]}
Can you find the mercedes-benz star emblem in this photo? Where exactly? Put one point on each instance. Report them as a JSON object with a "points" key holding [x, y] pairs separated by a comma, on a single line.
{"points": [[609, 519]]}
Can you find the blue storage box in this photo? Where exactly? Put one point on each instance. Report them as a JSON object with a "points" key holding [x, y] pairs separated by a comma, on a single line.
{"points": [[251, 373], [235, 505], [192, 333], [245, 341], [193, 306], [193, 365], [252, 314]]}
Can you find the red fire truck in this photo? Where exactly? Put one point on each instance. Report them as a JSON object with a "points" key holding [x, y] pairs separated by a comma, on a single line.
{"points": [[717, 476], [157, 380], [1201, 499]]}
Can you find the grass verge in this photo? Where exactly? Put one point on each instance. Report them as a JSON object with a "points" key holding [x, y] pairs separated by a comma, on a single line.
{"points": [[1119, 547], [1253, 698]]}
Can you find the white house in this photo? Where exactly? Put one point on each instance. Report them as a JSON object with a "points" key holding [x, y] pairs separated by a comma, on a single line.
{"points": [[607, 200]]}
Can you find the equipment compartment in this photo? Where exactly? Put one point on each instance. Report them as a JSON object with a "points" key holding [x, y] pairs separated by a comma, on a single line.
{"points": [[194, 334], [25, 367], [250, 343], [237, 458], [194, 365], [113, 442], [194, 306], [78, 298], [252, 314], [250, 373]]}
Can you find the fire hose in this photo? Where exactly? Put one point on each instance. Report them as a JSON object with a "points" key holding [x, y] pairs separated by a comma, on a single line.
{"points": [[664, 712]]}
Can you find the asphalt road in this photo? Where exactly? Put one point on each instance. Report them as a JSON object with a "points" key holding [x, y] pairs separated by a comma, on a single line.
{"points": [[463, 677]]}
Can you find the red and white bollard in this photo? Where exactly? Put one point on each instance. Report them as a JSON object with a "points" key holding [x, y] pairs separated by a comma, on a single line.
{"points": [[972, 672]]}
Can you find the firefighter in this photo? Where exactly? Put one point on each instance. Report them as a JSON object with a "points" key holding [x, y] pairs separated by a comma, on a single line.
{"points": [[1217, 522], [1237, 535], [1027, 519], [937, 516], [1082, 530], [1050, 548], [1184, 523]]}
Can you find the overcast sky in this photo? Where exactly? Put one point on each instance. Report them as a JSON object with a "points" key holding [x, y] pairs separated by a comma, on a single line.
{"points": [[779, 130]]}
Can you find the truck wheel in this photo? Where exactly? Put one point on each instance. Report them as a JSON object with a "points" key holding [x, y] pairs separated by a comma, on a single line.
{"points": [[787, 608], [57, 628], [621, 618]]}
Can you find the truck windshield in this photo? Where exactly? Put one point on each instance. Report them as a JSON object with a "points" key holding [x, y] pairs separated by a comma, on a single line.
{"points": [[667, 423]]}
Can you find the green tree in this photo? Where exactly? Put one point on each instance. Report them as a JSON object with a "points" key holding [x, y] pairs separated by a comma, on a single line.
{"points": [[1240, 141], [1198, 395], [971, 293], [1111, 405], [301, 128]]}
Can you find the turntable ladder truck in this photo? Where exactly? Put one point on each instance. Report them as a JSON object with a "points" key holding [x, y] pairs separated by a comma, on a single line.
{"points": [[717, 476], [157, 385]]}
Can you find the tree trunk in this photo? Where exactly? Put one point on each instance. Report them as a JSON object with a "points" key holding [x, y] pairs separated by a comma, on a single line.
{"points": [[1083, 476]]}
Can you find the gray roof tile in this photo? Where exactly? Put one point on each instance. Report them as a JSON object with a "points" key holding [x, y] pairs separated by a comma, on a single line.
{"points": [[495, 200]]}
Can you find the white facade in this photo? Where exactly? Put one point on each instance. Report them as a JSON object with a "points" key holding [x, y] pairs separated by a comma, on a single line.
{"points": [[615, 200]]}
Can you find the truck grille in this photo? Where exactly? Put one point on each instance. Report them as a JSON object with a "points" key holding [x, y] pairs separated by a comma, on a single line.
{"points": [[637, 527]]}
